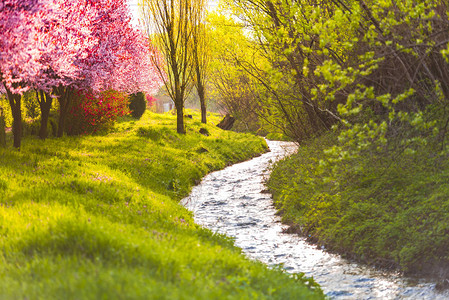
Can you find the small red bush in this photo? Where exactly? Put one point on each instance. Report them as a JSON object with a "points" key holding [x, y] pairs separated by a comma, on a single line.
{"points": [[91, 113]]}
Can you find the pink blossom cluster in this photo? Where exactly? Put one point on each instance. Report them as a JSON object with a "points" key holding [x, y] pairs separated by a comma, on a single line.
{"points": [[150, 100], [85, 44]]}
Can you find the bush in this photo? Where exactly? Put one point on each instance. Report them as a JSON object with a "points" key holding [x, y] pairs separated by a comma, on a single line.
{"points": [[275, 136], [91, 113], [2, 132], [53, 123], [6, 110], [390, 211], [137, 104]]}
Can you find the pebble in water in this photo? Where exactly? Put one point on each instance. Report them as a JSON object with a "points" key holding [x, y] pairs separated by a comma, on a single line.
{"points": [[234, 201]]}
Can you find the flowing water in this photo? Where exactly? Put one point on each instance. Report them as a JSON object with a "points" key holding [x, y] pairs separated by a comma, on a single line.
{"points": [[231, 201]]}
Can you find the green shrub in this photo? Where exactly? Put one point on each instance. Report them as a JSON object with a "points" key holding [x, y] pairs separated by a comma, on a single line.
{"points": [[53, 123], [389, 211], [278, 137], [2, 131], [4, 106], [137, 105], [31, 127]]}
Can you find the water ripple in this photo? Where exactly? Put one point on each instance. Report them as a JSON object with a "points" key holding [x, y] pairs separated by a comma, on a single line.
{"points": [[232, 201]]}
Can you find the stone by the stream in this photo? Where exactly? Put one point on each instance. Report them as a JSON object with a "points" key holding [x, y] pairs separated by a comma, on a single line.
{"points": [[227, 122], [204, 131]]}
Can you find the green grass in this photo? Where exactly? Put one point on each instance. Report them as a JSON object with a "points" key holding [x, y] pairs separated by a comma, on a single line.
{"points": [[278, 137], [388, 211], [97, 217]]}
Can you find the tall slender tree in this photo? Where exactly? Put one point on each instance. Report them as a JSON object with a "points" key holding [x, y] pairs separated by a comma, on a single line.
{"points": [[201, 56], [172, 25]]}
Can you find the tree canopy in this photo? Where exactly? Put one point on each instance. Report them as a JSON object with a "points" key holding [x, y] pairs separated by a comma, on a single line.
{"points": [[58, 47]]}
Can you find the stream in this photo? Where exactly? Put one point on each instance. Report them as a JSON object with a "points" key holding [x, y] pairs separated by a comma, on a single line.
{"points": [[231, 202]]}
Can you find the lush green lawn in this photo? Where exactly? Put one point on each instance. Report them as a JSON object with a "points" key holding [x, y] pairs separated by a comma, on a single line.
{"points": [[387, 211], [98, 218]]}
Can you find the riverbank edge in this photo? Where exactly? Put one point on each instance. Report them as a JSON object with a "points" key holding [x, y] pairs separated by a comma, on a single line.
{"points": [[111, 201], [291, 181]]}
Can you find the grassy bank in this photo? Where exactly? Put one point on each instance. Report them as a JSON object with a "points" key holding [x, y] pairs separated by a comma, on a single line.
{"points": [[98, 218], [388, 211]]}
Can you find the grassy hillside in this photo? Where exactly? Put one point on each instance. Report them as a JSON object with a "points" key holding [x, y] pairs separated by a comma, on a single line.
{"points": [[98, 218], [387, 211]]}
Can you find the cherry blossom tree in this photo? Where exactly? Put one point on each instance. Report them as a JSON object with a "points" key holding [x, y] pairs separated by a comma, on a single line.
{"points": [[68, 39], [39, 44], [120, 59], [19, 51], [58, 47]]}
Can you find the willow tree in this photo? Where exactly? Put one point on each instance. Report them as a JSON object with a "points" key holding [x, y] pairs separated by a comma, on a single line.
{"points": [[172, 26]]}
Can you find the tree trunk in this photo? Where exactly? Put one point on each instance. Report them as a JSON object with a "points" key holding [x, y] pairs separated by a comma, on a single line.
{"points": [[226, 123], [203, 112], [180, 117], [202, 96], [17, 129], [64, 104], [16, 109], [45, 101]]}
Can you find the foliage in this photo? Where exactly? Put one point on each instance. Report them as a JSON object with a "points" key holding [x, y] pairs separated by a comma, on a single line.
{"points": [[346, 62], [91, 113], [98, 217], [386, 211], [32, 127], [137, 104], [4, 106], [277, 37], [278, 137], [30, 107], [235, 91], [150, 100], [2, 131]]}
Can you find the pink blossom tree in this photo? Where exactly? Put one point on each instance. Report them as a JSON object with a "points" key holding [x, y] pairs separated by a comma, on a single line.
{"points": [[58, 47], [67, 40], [119, 59], [19, 51]]}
